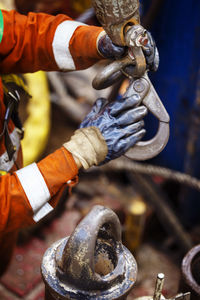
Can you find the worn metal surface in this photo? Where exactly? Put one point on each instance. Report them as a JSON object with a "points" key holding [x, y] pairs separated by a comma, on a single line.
{"points": [[148, 149], [92, 263], [115, 15], [190, 271], [135, 57], [159, 286], [134, 37], [111, 73]]}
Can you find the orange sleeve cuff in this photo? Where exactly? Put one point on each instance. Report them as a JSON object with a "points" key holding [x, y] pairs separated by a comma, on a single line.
{"points": [[57, 169], [83, 46]]}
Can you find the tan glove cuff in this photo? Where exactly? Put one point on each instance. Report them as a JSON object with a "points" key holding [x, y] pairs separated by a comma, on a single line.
{"points": [[88, 146]]}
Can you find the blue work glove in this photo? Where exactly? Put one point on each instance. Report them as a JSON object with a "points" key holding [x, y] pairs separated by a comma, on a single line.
{"points": [[151, 53], [119, 122], [112, 51]]}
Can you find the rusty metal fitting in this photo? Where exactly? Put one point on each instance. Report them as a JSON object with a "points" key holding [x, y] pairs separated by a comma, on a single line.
{"points": [[115, 16], [191, 273], [135, 35], [92, 263]]}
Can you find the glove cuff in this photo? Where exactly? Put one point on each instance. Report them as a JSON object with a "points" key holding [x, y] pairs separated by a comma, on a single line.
{"points": [[88, 146], [101, 34]]}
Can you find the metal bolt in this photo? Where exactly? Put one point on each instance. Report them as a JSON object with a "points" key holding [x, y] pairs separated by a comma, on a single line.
{"points": [[143, 41], [139, 86], [159, 286], [92, 263]]}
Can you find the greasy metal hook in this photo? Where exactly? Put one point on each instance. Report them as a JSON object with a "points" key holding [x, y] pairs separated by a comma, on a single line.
{"points": [[111, 73], [135, 58], [143, 86], [149, 149]]}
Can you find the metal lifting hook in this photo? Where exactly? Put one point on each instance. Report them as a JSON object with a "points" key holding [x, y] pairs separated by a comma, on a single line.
{"points": [[134, 35], [148, 149]]}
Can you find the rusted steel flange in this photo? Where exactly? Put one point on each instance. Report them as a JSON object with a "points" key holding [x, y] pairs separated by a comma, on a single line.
{"points": [[92, 263], [191, 272]]}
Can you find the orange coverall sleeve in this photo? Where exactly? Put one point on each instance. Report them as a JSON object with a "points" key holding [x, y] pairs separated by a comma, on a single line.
{"points": [[30, 193], [45, 42]]}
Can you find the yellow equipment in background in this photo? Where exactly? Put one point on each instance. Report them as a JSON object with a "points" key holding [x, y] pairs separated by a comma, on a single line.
{"points": [[37, 124], [80, 6]]}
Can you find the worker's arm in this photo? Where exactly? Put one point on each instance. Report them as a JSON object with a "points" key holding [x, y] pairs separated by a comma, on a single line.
{"points": [[28, 194], [44, 42], [107, 132]]}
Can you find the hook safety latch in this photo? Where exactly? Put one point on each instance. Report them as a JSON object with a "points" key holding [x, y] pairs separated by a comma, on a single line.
{"points": [[148, 149]]}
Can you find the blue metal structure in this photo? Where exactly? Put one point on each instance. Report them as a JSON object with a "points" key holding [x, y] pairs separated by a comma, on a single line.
{"points": [[176, 30]]}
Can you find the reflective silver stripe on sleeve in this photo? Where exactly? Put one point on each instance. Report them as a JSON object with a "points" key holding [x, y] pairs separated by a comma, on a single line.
{"points": [[47, 208], [35, 189], [60, 45]]}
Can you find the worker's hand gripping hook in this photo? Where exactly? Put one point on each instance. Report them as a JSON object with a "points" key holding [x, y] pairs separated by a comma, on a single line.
{"points": [[135, 38]]}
